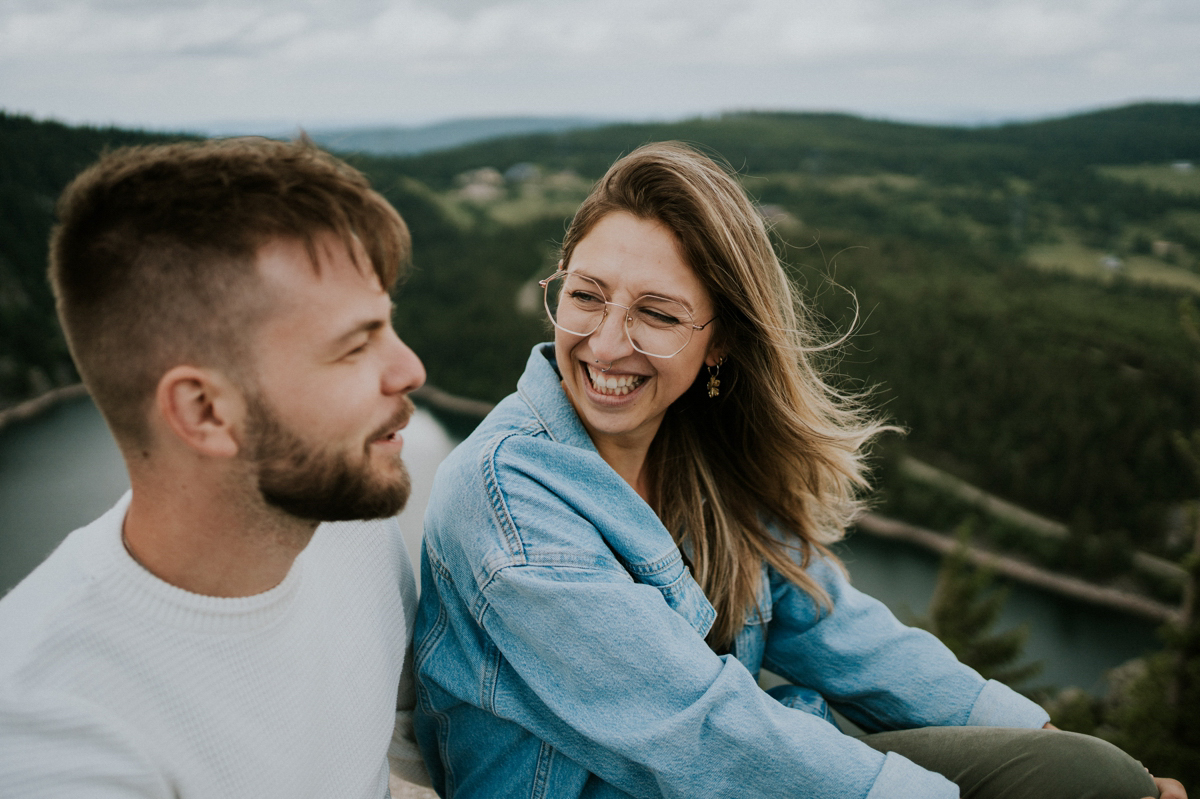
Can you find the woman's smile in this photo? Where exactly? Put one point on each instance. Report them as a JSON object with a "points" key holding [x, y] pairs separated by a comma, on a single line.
{"points": [[619, 392], [611, 384]]}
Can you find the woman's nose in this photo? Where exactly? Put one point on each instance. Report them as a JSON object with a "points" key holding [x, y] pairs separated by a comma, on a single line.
{"points": [[610, 341]]}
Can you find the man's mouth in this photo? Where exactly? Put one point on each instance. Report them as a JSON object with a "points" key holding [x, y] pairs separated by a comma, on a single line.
{"points": [[391, 430], [613, 385]]}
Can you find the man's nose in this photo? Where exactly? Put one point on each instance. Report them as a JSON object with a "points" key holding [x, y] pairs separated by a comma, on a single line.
{"points": [[404, 372]]}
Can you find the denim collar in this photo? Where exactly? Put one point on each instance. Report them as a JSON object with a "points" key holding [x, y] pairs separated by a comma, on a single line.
{"points": [[541, 388]]}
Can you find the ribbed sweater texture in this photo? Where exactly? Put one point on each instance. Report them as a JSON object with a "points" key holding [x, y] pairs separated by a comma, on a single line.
{"points": [[114, 683]]}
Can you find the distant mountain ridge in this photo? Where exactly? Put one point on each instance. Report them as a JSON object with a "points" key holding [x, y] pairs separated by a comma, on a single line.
{"points": [[763, 142], [397, 140]]}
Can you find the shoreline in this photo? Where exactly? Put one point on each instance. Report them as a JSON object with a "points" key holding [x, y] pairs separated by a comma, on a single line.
{"points": [[869, 523], [1020, 571], [30, 408]]}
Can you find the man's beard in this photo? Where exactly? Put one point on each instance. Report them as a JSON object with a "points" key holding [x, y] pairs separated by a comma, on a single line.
{"points": [[311, 483]]}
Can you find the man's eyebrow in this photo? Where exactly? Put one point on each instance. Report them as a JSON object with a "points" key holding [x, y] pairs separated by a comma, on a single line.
{"points": [[366, 326]]}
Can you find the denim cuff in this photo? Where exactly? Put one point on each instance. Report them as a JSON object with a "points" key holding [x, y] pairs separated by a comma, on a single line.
{"points": [[900, 778], [1000, 706]]}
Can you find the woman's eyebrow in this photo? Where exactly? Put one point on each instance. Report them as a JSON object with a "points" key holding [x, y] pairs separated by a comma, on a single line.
{"points": [[608, 292]]}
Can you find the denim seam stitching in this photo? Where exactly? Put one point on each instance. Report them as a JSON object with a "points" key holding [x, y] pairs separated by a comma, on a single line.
{"points": [[491, 677], [541, 771], [656, 566], [421, 649], [557, 559], [533, 408], [500, 511], [442, 720], [554, 567]]}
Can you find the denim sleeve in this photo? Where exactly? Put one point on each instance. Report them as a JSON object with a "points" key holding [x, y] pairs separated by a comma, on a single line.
{"points": [[879, 673], [601, 668], [609, 675]]}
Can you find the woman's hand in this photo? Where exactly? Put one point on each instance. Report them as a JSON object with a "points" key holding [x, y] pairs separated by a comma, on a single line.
{"points": [[1168, 789]]}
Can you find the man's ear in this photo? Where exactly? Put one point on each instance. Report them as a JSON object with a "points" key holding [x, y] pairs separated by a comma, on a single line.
{"points": [[203, 408]]}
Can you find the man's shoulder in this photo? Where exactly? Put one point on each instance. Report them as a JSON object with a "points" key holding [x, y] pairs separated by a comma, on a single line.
{"points": [[356, 540], [49, 600], [41, 730], [367, 559], [47, 716], [358, 535]]}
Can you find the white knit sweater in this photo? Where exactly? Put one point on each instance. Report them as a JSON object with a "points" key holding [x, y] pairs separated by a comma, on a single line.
{"points": [[114, 683]]}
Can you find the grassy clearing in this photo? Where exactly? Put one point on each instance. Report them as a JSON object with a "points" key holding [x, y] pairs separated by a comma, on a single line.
{"points": [[1167, 177], [511, 204], [1087, 262]]}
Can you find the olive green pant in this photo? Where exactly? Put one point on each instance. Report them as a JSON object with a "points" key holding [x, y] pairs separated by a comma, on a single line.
{"points": [[1000, 763]]}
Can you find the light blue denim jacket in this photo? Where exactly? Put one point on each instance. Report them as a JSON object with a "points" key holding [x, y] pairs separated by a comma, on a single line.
{"points": [[560, 644]]}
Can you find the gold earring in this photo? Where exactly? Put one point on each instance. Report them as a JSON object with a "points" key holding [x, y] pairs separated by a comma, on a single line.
{"points": [[714, 385]]}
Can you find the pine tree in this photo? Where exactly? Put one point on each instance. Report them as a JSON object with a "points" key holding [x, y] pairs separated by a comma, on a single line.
{"points": [[1157, 717], [1155, 713], [1161, 717], [965, 607]]}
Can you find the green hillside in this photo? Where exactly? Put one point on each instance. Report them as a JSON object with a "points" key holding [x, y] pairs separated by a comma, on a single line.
{"points": [[761, 143], [1018, 285], [37, 159], [1019, 288]]}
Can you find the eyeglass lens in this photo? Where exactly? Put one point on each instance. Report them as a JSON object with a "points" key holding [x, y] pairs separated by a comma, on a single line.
{"points": [[655, 325]]}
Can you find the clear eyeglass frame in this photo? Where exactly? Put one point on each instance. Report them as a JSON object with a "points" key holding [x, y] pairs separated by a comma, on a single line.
{"points": [[651, 306]]}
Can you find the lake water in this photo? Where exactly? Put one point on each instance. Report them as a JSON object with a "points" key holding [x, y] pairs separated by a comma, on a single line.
{"points": [[62, 469]]}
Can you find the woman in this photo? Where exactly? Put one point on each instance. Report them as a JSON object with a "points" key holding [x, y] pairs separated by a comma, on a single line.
{"points": [[679, 426]]}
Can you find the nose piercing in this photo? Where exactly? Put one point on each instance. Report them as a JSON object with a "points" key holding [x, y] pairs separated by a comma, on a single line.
{"points": [[605, 369]]}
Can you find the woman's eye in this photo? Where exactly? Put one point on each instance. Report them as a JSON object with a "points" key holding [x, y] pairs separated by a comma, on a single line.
{"points": [[658, 318], [586, 298]]}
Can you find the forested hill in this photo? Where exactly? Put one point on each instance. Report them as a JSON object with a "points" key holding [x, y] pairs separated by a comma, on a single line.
{"points": [[37, 159], [758, 143], [1020, 284]]}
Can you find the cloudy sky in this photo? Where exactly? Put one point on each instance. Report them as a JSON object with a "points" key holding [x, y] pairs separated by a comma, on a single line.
{"points": [[203, 64]]}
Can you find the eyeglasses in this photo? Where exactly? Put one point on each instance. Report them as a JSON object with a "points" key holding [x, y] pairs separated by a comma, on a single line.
{"points": [[655, 326]]}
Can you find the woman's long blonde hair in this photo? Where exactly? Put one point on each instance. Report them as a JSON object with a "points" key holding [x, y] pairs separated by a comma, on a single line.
{"points": [[779, 445]]}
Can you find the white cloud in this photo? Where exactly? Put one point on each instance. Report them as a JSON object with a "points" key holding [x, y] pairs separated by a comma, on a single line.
{"points": [[172, 63]]}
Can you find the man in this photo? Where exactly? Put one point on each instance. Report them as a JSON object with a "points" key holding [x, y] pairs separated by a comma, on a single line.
{"points": [[227, 305]]}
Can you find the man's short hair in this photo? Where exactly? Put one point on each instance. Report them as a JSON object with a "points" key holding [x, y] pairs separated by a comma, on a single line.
{"points": [[153, 262]]}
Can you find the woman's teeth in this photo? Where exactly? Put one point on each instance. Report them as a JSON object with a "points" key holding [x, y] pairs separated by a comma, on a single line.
{"points": [[616, 385]]}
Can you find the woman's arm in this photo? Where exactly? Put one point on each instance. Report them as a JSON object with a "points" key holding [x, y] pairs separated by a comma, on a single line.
{"points": [[578, 623], [607, 673], [878, 672]]}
